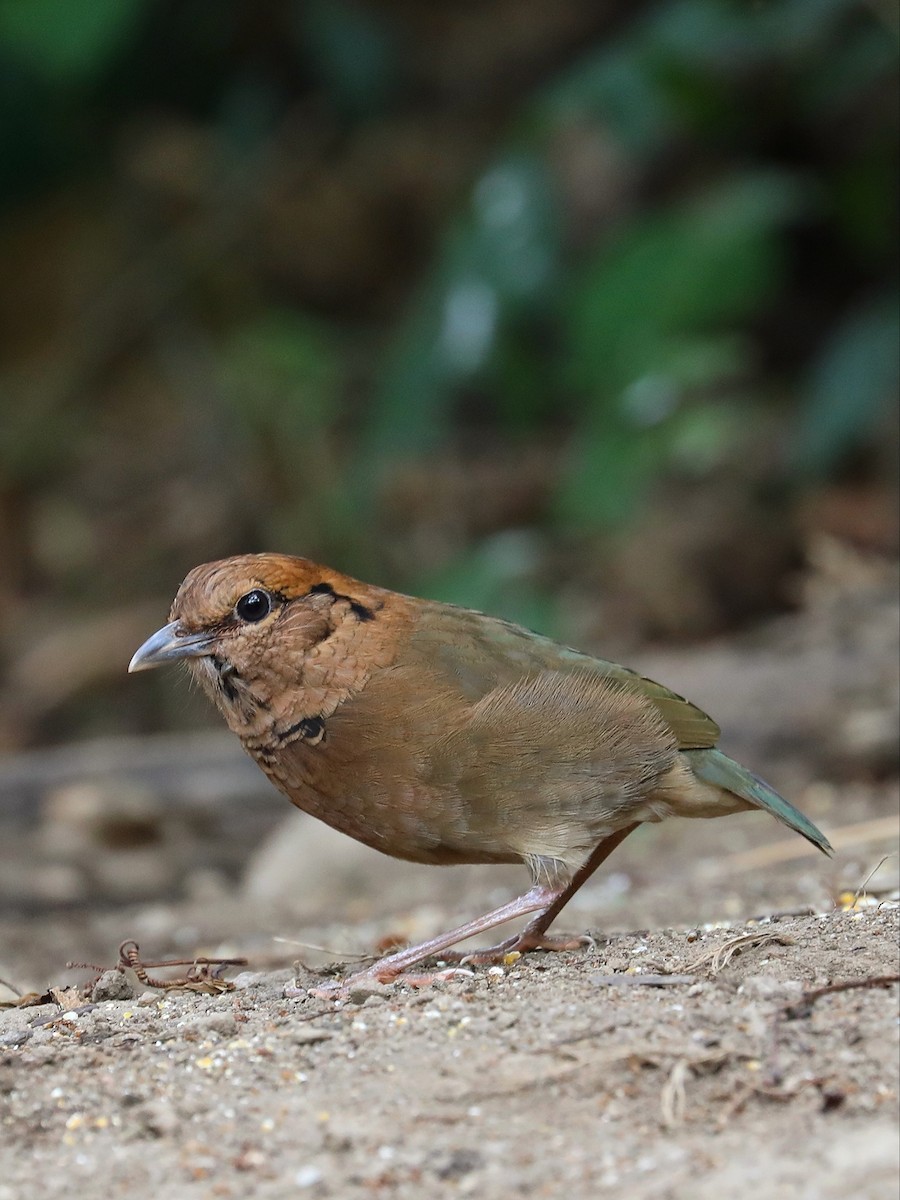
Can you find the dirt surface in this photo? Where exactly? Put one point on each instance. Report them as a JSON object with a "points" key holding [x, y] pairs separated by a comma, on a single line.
{"points": [[704, 1046], [571, 1075]]}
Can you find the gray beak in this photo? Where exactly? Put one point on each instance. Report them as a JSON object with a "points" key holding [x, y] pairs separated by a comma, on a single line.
{"points": [[168, 645]]}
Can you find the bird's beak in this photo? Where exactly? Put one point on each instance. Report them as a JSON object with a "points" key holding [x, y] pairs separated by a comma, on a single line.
{"points": [[169, 645]]}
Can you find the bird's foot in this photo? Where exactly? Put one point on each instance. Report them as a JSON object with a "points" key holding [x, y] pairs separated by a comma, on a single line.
{"points": [[372, 982], [396, 967], [517, 945], [358, 987]]}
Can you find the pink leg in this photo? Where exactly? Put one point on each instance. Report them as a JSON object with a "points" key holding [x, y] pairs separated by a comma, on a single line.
{"points": [[547, 901], [387, 969], [533, 936], [597, 856]]}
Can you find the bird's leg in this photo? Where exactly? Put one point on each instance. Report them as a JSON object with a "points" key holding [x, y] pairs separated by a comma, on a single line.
{"points": [[532, 937], [385, 970], [547, 900]]}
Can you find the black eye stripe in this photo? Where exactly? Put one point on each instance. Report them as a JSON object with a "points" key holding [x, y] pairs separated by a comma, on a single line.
{"points": [[360, 611]]}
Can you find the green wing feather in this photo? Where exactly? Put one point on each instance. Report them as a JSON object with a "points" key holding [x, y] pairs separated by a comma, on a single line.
{"points": [[690, 724], [481, 653]]}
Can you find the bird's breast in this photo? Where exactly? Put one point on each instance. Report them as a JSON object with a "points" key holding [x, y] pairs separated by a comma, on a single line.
{"points": [[364, 770]]}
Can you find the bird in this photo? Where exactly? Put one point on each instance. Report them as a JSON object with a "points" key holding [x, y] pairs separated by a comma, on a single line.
{"points": [[438, 734]]}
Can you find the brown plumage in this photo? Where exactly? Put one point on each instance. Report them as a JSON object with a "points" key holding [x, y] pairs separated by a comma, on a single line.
{"points": [[440, 735]]}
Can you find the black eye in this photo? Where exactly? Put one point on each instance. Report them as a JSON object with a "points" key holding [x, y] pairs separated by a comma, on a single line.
{"points": [[254, 606]]}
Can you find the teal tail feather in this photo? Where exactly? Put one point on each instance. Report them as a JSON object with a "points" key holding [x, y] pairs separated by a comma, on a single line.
{"points": [[716, 768]]}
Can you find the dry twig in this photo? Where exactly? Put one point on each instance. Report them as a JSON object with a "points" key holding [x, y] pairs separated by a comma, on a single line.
{"points": [[862, 887], [203, 974], [343, 955], [803, 1006], [648, 980], [769, 1092], [672, 1098], [721, 956], [15, 991]]}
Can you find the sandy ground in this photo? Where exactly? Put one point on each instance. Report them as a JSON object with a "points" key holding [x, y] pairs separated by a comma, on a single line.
{"points": [[731, 1032], [643, 1064]]}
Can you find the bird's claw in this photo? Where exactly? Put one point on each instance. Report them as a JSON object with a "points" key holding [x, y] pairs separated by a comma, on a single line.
{"points": [[513, 948]]}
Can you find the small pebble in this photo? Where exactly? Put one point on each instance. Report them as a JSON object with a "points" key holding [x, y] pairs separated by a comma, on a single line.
{"points": [[767, 987], [250, 979], [308, 1035], [112, 985], [221, 1023], [157, 1118], [361, 992], [15, 1037]]}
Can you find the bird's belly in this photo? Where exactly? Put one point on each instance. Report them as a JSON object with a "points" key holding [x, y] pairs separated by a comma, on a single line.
{"points": [[404, 820]]}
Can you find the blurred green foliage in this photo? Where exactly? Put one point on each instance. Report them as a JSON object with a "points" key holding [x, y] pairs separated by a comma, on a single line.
{"points": [[654, 324], [67, 43], [656, 329], [286, 260]]}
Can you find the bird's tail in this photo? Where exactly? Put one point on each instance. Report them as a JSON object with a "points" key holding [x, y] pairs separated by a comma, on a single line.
{"points": [[716, 768]]}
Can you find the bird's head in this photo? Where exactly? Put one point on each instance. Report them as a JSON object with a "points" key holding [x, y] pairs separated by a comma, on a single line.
{"points": [[249, 624]]}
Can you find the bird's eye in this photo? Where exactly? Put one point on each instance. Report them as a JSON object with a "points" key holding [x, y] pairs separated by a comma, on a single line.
{"points": [[254, 606]]}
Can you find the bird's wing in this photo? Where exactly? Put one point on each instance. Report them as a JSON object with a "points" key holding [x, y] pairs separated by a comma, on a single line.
{"points": [[690, 724], [479, 653]]}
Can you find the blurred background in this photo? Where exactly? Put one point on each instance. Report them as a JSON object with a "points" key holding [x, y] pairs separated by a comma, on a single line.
{"points": [[584, 313]]}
